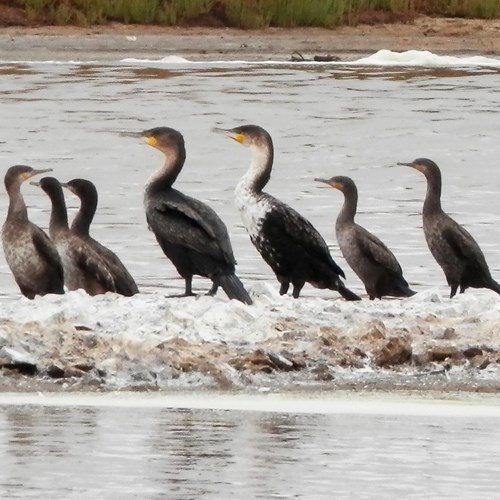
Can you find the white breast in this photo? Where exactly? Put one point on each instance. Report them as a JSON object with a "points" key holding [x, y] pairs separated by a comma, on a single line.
{"points": [[253, 208]]}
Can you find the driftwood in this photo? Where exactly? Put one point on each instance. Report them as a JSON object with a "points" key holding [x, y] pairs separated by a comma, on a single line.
{"points": [[298, 57]]}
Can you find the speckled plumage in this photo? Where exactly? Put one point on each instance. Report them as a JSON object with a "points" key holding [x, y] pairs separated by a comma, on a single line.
{"points": [[123, 282], [83, 267], [189, 232], [454, 249], [31, 256], [287, 241], [375, 265]]}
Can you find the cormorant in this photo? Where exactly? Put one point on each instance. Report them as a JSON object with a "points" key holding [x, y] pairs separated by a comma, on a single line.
{"points": [[189, 232], [83, 268], [454, 249], [31, 256], [287, 242], [87, 192], [375, 265]]}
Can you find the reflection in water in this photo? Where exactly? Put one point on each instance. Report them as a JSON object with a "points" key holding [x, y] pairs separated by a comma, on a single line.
{"points": [[100, 452]]}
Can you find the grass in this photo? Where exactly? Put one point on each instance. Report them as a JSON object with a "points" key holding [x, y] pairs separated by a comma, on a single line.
{"points": [[246, 13]]}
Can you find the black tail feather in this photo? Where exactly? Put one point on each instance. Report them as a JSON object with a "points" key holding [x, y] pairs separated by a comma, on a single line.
{"points": [[233, 287], [493, 285], [346, 293]]}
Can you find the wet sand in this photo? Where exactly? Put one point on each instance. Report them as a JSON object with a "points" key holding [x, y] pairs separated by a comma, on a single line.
{"points": [[450, 36]]}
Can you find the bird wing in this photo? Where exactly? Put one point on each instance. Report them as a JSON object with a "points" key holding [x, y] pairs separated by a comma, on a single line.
{"points": [[463, 244], [375, 250], [289, 225], [185, 221], [90, 263], [46, 248]]}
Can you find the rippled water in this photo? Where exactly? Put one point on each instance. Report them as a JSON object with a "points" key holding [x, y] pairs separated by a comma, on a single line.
{"points": [[141, 448], [324, 120]]}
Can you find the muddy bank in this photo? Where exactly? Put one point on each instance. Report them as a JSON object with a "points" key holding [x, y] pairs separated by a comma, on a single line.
{"points": [[95, 343], [443, 36]]}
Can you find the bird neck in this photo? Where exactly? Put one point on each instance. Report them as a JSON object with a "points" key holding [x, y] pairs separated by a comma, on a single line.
{"points": [[432, 202], [59, 214], [259, 172], [349, 207], [17, 207], [84, 217], [165, 176]]}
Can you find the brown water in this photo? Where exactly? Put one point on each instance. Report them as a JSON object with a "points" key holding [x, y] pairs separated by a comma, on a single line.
{"points": [[324, 120], [139, 447]]}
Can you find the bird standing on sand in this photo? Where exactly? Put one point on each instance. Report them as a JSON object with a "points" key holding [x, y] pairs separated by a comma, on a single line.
{"points": [[287, 242], [87, 192], [189, 232], [83, 268], [454, 249], [31, 256], [375, 265]]}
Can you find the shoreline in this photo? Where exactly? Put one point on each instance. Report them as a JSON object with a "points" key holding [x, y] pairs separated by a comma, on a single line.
{"points": [[439, 35]]}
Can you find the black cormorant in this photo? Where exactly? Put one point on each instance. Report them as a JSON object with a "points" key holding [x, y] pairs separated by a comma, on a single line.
{"points": [[83, 268], [288, 242], [189, 232], [31, 256], [375, 265], [87, 192], [454, 249]]}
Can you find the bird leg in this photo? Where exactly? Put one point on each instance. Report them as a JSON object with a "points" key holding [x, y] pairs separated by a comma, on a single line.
{"points": [[453, 291], [297, 287], [213, 290], [284, 287], [189, 292]]}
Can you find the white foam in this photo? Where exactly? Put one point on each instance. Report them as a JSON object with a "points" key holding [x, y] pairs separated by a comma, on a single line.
{"points": [[424, 58], [382, 58]]}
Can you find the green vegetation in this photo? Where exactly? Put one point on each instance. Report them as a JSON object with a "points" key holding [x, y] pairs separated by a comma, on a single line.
{"points": [[247, 13]]}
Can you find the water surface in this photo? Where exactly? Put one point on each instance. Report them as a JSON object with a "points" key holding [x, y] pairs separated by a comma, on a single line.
{"points": [[325, 120], [137, 447]]}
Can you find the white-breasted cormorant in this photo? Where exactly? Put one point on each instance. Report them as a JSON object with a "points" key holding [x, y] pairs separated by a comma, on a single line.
{"points": [[83, 267], [189, 232], [31, 256], [87, 193], [287, 242], [454, 249], [375, 265]]}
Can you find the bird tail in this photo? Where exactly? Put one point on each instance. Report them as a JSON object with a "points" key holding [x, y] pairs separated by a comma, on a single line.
{"points": [[493, 285], [233, 287], [404, 290], [345, 292]]}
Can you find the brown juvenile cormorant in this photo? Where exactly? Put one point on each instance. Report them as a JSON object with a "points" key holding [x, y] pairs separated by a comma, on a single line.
{"points": [[287, 242], [87, 192], [83, 268], [454, 249], [189, 232], [31, 256], [375, 265]]}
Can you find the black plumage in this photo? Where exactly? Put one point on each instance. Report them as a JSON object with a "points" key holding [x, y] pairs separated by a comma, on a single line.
{"points": [[454, 249], [375, 265], [31, 256], [83, 268], [287, 241], [189, 232], [87, 193]]}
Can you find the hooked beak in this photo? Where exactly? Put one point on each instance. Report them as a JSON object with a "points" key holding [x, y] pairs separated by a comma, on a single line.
{"points": [[38, 171], [230, 133], [326, 181]]}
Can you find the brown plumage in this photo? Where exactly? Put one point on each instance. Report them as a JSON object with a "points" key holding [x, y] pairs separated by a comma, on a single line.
{"points": [[375, 265], [83, 268], [31, 256], [454, 249]]}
